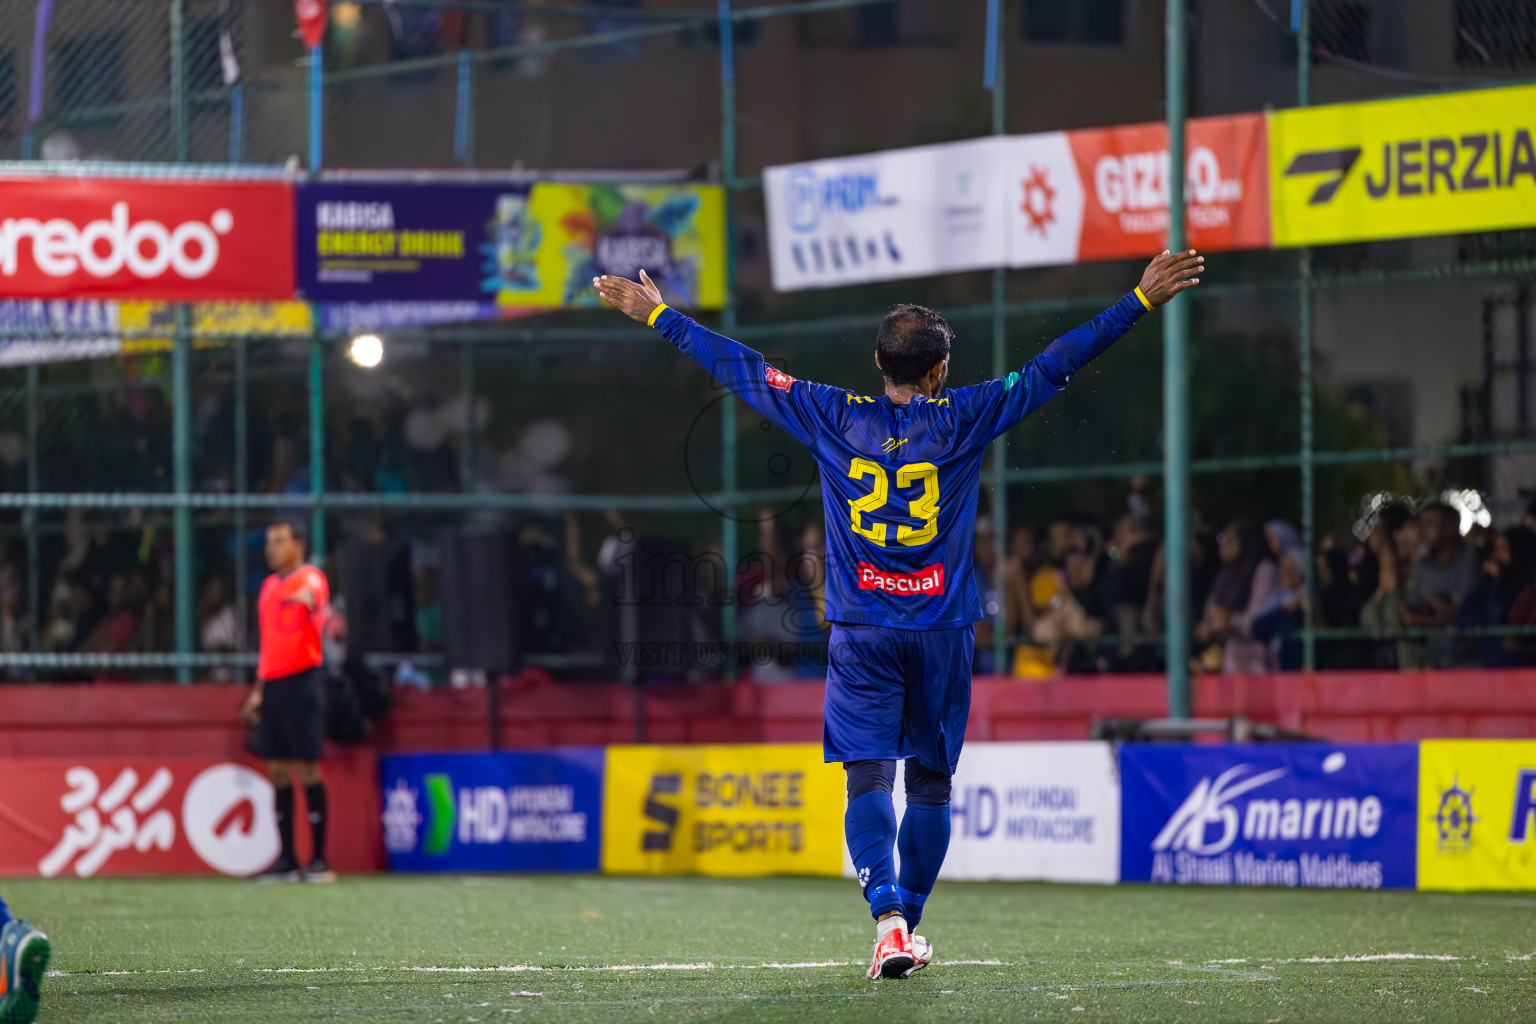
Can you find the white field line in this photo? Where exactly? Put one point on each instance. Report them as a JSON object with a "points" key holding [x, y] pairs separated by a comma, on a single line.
{"points": [[708, 965]]}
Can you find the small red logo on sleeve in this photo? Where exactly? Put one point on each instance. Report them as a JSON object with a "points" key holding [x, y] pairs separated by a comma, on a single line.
{"points": [[929, 580], [777, 378]]}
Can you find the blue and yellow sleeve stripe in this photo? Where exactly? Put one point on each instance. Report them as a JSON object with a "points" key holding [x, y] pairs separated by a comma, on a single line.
{"points": [[650, 321]]}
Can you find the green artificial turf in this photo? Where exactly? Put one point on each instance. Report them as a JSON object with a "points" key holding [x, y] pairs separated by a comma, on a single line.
{"points": [[225, 950]]}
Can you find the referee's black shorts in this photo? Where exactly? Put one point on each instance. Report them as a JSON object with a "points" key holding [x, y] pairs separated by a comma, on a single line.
{"points": [[292, 722]]}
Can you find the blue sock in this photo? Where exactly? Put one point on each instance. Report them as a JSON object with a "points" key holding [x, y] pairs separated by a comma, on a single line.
{"points": [[5, 913], [923, 841], [870, 825]]}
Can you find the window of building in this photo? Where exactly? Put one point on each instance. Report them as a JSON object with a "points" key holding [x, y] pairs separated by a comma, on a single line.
{"points": [[1342, 28], [90, 71], [1083, 23], [1495, 33]]}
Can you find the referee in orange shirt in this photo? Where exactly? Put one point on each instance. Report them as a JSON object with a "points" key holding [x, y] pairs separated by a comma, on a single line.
{"points": [[287, 705]]}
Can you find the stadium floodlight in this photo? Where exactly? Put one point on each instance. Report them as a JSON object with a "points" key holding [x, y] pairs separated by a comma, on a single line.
{"points": [[366, 350], [1470, 506]]}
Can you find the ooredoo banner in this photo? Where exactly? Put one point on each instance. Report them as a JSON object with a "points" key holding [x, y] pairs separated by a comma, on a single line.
{"points": [[1293, 815], [769, 809], [1477, 814], [1025, 811], [514, 811], [181, 241], [171, 816]]}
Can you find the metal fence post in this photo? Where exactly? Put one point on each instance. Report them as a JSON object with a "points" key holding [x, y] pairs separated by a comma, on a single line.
{"points": [[316, 106], [464, 111], [236, 122], [997, 77], [181, 460], [179, 79], [1306, 285], [728, 526], [1176, 386], [242, 514], [29, 516]]}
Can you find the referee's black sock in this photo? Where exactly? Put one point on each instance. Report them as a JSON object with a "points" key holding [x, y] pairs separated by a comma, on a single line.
{"points": [[314, 797], [284, 802]]}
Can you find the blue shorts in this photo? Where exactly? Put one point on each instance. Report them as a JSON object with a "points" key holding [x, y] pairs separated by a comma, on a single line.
{"points": [[898, 693]]}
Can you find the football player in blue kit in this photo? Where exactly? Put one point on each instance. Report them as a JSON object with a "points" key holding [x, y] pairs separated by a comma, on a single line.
{"points": [[900, 476], [24, 952]]}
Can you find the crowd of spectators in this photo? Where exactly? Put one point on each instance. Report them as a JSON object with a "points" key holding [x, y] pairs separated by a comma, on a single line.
{"points": [[1418, 588]]}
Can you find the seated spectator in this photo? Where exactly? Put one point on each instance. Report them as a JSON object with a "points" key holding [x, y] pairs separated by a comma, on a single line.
{"points": [[1281, 619], [1443, 574], [1241, 587], [1346, 579], [1508, 563], [1393, 546], [1128, 584]]}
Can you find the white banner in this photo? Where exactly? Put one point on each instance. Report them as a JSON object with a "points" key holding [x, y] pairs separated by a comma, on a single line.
{"points": [[1046, 811], [886, 216]]}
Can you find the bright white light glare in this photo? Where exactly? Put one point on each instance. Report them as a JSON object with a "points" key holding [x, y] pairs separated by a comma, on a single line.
{"points": [[366, 350], [1469, 505]]}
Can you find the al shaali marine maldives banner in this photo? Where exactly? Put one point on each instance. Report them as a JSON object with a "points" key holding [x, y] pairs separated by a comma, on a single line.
{"points": [[517, 811], [1302, 815], [1428, 165], [1477, 814], [511, 245]]}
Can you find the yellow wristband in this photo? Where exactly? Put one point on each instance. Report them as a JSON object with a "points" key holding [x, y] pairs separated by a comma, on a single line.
{"points": [[1140, 296], [650, 321]]}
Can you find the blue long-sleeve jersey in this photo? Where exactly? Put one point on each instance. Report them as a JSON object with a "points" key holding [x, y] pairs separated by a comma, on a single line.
{"points": [[899, 482]]}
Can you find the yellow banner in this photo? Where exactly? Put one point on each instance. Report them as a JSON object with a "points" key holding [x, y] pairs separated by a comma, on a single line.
{"points": [[1477, 804], [1430, 165], [773, 809], [552, 242], [286, 319]]}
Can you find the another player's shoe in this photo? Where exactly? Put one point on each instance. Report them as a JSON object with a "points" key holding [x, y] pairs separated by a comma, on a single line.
{"points": [[285, 870], [23, 960], [922, 955], [319, 870], [893, 955]]}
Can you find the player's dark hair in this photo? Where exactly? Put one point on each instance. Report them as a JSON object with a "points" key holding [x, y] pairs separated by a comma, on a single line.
{"points": [[912, 340], [295, 529]]}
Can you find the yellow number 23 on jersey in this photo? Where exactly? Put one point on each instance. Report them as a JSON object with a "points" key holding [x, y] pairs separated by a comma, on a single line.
{"points": [[924, 507]]}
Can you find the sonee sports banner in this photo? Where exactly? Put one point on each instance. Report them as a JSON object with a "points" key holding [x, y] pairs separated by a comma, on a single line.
{"points": [[770, 809]]}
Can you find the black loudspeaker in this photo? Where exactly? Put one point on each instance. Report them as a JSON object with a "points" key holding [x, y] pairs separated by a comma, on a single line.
{"points": [[479, 610], [377, 587]]}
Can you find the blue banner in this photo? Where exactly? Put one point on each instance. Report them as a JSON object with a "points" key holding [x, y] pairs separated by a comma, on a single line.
{"points": [[368, 242], [516, 811], [1294, 815]]}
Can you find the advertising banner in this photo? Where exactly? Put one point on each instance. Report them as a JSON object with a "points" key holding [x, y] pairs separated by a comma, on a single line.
{"points": [[513, 811], [551, 245], [91, 329], [142, 320], [1426, 165], [1477, 814], [886, 216], [181, 241], [410, 248], [1297, 815], [86, 817], [773, 809], [401, 241], [1021, 811], [1102, 194]]}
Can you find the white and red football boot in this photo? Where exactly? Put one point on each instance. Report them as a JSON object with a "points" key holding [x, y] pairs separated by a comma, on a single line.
{"points": [[893, 955], [922, 955]]}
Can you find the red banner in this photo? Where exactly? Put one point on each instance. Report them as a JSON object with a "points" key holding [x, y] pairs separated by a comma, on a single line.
{"points": [[1125, 171], [179, 241], [95, 816]]}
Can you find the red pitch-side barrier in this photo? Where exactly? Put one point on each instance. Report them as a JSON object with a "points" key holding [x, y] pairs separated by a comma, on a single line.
{"points": [[164, 720]]}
